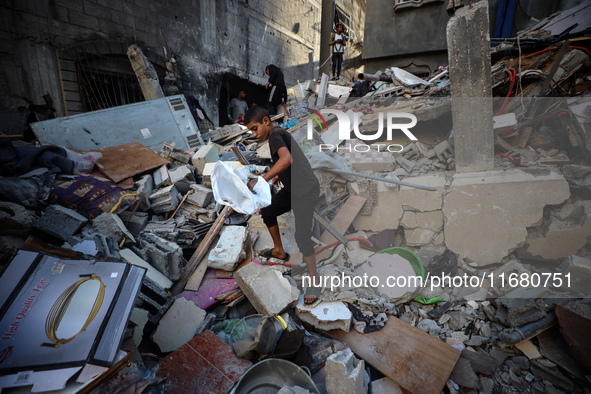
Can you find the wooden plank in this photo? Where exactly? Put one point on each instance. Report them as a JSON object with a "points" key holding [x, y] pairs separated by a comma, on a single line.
{"points": [[341, 222], [415, 360], [124, 161], [145, 73], [195, 260]]}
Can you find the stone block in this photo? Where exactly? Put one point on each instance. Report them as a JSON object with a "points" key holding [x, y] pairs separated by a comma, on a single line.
{"points": [[154, 299], [145, 188], [191, 211], [418, 236], [151, 273], [266, 289], [111, 224], [326, 316], [135, 223], [206, 154], [182, 174], [161, 177], [407, 165], [392, 203], [175, 154], [426, 220], [164, 255], [178, 325], [200, 196], [205, 364], [60, 222], [345, 373], [497, 206], [385, 385], [230, 249], [165, 200]]}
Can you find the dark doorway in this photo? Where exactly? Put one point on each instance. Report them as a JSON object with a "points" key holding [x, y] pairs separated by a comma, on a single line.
{"points": [[230, 85]]}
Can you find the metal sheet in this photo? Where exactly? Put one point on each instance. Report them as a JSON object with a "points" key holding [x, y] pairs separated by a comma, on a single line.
{"points": [[407, 79], [153, 122]]}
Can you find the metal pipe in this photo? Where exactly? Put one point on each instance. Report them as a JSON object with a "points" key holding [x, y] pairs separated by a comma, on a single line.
{"points": [[376, 178], [375, 78], [528, 331]]}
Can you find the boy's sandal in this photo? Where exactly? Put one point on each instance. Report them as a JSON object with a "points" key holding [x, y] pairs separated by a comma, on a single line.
{"points": [[268, 253], [312, 291]]}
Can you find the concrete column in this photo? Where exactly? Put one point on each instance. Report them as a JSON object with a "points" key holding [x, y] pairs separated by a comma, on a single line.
{"points": [[325, 32], [468, 47]]}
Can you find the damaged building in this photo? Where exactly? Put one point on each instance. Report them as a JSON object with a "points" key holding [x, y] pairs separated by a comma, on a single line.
{"points": [[452, 233]]}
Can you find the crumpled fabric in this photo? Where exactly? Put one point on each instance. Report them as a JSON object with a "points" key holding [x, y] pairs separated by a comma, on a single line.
{"points": [[30, 190]]}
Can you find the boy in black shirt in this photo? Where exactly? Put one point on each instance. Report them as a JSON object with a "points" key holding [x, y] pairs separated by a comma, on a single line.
{"points": [[300, 192]]}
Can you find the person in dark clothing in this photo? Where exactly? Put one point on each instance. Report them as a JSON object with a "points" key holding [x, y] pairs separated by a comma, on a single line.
{"points": [[300, 192], [278, 94], [337, 41]]}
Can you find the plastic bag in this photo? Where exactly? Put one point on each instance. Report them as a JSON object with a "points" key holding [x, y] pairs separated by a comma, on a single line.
{"points": [[83, 162], [229, 188]]}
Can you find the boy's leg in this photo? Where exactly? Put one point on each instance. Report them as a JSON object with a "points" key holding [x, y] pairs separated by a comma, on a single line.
{"points": [[280, 203], [339, 64], [303, 210]]}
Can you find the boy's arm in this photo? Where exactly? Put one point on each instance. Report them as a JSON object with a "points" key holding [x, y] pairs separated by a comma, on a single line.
{"points": [[331, 42], [282, 164]]}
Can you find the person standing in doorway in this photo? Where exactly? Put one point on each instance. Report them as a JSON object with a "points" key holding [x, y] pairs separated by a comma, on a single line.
{"points": [[278, 94], [238, 105], [337, 42]]}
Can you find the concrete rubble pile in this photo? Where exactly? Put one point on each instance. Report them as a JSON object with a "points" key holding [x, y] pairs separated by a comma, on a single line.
{"points": [[210, 309]]}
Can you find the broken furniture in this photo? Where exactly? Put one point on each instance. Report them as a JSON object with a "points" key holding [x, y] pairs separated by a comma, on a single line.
{"points": [[153, 122]]}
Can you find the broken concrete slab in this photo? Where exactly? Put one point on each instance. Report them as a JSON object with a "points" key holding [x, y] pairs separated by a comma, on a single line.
{"points": [[175, 153], [205, 358], [385, 385], [164, 255], [385, 265], [419, 236], [345, 373], [144, 188], [432, 220], [109, 223], [139, 317], [178, 325], [151, 273], [206, 154], [200, 195], [267, 290], [134, 222], [567, 232], [164, 200], [497, 206], [161, 177], [60, 222], [326, 316], [182, 174], [229, 251]]}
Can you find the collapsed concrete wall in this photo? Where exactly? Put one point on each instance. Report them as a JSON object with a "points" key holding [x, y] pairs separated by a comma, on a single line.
{"points": [[480, 216], [207, 38]]}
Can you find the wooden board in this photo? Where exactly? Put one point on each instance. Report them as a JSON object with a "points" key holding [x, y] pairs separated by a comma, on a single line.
{"points": [[341, 222], [415, 360], [124, 161]]}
